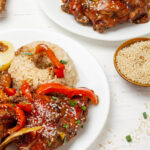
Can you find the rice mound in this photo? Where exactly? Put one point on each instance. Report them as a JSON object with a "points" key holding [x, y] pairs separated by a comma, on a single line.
{"points": [[23, 68]]}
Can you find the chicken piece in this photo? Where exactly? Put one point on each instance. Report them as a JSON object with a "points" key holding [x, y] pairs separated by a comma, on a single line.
{"points": [[104, 14], [60, 119], [138, 10], [3, 96], [75, 7], [6, 121], [5, 79], [2, 5]]}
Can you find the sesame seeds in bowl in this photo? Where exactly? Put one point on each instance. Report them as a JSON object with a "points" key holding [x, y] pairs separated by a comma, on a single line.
{"points": [[132, 61]]}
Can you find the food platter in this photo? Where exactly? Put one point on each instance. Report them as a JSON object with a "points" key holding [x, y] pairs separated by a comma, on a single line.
{"points": [[93, 78], [121, 32]]}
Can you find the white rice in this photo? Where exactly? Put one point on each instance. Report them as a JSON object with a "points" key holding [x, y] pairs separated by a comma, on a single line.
{"points": [[23, 68]]}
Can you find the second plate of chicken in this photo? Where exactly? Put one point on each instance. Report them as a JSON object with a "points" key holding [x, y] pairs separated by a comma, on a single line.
{"points": [[109, 19]]}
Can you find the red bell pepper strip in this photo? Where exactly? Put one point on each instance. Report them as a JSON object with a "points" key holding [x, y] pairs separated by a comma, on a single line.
{"points": [[26, 90], [26, 107], [70, 92], [85, 93], [58, 72], [10, 91], [53, 88], [21, 120], [58, 66]]}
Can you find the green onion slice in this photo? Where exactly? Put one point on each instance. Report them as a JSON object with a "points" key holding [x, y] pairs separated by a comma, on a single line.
{"points": [[66, 126], [28, 54], [54, 98], [63, 62], [128, 138], [145, 115], [83, 108], [78, 121], [71, 103]]}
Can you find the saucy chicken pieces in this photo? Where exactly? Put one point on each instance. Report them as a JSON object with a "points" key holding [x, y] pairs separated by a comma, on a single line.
{"points": [[58, 110], [6, 121], [5, 82], [60, 119], [104, 14]]}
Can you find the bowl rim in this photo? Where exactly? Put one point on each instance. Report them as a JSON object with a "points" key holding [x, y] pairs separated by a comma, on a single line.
{"points": [[127, 44]]}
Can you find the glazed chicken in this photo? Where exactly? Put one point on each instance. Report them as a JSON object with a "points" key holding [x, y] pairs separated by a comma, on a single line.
{"points": [[5, 82], [7, 114], [60, 119], [58, 110], [104, 14], [6, 121], [2, 5]]}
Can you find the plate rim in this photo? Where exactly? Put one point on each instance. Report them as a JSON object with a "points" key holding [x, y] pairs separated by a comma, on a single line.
{"points": [[43, 8], [45, 31]]}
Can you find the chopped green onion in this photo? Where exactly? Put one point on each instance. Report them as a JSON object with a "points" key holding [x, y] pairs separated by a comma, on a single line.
{"points": [[66, 126], [54, 98], [48, 143], [128, 138], [71, 103], [82, 126], [29, 54], [83, 108], [78, 121], [13, 105], [64, 139], [63, 62], [145, 115]]}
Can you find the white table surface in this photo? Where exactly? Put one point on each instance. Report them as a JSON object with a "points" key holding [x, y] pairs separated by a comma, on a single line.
{"points": [[128, 102]]}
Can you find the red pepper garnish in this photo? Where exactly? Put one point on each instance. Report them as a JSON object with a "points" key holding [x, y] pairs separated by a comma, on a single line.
{"points": [[70, 92], [58, 66], [21, 120], [26, 107], [26, 90], [59, 72], [10, 91]]}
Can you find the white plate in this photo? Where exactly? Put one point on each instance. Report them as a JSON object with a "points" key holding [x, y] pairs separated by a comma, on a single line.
{"points": [[90, 75], [121, 32]]}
